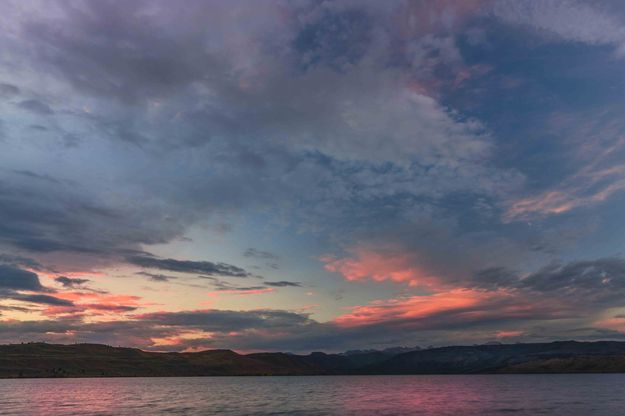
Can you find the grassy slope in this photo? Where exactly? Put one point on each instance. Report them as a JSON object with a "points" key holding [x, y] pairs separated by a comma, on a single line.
{"points": [[91, 360], [88, 360]]}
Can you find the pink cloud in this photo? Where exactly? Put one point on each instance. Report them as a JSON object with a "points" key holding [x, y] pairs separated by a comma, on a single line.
{"points": [[596, 182], [379, 264], [454, 307], [94, 304], [414, 307], [508, 334], [616, 323]]}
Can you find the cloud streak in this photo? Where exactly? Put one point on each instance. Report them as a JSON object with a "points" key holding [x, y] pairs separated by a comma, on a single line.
{"points": [[188, 266]]}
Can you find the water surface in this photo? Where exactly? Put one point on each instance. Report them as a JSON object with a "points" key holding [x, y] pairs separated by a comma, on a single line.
{"points": [[571, 395]]}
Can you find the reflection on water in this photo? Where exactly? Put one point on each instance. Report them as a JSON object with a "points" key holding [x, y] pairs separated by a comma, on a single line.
{"points": [[590, 394]]}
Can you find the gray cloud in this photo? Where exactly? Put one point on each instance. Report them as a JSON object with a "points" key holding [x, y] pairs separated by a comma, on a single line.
{"points": [[13, 280], [20, 261], [587, 284], [222, 285], [157, 277], [37, 107], [18, 279], [283, 283], [590, 23], [259, 254], [224, 320], [8, 90], [70, 282], [290, 137], [277, 330], [188, 266], [604, 275], [36, 175], [47, 216], [43, 299]]}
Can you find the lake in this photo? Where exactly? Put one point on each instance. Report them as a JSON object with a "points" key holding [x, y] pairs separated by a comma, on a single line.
{"points": [[558, 394]]}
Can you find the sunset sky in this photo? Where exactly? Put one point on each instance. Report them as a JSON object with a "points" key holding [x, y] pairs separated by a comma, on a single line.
{"points": [[311, 175]]}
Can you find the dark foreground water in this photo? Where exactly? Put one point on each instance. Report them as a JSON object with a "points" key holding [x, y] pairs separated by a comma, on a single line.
{"points": [[569, 395]]}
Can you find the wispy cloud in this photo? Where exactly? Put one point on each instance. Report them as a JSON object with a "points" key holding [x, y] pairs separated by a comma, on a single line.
{"points": [[571, 20], [598, 180]]}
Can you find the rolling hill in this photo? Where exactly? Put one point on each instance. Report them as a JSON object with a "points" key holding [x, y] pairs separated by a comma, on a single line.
{"points": [[94, 360]]}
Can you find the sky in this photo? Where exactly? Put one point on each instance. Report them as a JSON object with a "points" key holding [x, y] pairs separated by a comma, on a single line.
{"points": [[311, 175]]}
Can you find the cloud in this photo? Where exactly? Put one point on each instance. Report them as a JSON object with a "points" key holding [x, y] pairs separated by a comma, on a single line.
{"points": [[36, 107], [50, 217], [415, 308], [378, 264], [226, 321], [359, 126], [495, 278], [82, 303], [605, 276], [223, 287], [43, 299], [70, 282], [382, 323], [243, 291], [14, 281], [8, 90], [36, 175], [569, 20], [284, 113], [188, 266], [599, 178], [587, 284], [20, 262], [259, 254], [157, 277], [337, 38], [283, 283], [429, 252], [18, 279]]}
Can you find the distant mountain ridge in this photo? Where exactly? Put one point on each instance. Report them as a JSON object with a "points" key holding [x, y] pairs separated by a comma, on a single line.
{"points": [[94, 360]]}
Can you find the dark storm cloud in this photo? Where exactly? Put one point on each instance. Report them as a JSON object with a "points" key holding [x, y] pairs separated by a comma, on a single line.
{"points": [[18, 279], [189, 266], [70, 282]]}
